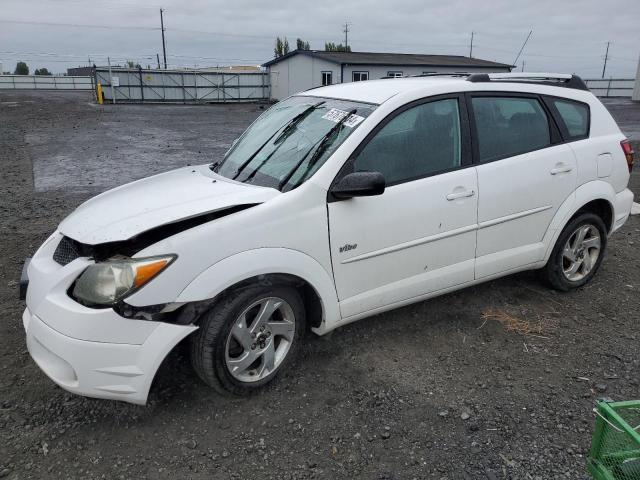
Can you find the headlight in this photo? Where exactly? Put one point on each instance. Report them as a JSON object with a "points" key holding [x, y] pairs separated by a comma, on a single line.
{"points": [[108, 282]]}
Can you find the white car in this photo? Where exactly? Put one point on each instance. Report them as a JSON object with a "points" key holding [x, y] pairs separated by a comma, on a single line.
{"points": [[336, 204]]}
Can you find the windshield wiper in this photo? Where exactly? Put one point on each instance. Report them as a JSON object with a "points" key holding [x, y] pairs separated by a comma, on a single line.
{"points": [[317, 153], [288, 128]]}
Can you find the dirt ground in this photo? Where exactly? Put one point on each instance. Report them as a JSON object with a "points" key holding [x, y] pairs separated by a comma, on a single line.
{"points": [[433, 390]]}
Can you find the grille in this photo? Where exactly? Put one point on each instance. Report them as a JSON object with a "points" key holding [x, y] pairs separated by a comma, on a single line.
{"points": [[66, 252]]}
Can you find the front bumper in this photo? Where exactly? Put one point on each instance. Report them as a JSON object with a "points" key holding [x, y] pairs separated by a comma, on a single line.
{"points": [[113, 371]]}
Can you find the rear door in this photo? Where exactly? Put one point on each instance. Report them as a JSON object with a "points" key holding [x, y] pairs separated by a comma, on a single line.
{"points": [[419, 235], [525, 173]]}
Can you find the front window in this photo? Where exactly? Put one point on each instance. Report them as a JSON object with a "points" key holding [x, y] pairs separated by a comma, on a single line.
{"points": [[359, 76], [421, 141], [288, 143]]}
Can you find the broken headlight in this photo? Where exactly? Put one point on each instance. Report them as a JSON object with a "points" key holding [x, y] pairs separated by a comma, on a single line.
{"points": [[106, 283]]}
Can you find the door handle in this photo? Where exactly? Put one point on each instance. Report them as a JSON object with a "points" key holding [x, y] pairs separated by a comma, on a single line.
{"points": [[561, 169], [463, 194]]}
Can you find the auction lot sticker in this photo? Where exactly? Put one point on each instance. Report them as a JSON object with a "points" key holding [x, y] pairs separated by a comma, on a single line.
{"points": [[336, 115]]}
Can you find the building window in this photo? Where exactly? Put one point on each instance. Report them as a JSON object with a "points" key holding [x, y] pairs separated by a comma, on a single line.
{"points": [[327, 78], [394, 74], [359, 76]]}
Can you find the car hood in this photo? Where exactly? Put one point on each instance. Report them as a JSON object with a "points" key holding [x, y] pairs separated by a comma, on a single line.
{"points": [[136, 207]]}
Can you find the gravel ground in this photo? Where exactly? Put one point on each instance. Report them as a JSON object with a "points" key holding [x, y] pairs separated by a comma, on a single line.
{"points": [[433, 390]]}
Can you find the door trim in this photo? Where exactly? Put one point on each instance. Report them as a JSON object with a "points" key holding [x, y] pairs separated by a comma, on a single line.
{"points": [[513, 216], [411, 243]]}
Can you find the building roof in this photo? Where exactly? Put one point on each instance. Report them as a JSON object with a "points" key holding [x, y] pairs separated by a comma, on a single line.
{"points": [[394, 59]]}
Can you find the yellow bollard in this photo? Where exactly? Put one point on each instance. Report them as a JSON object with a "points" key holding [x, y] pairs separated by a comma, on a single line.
{"points": [[99, 93]]}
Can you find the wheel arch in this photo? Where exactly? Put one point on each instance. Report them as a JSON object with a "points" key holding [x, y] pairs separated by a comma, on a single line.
{"points": [[270, 265], [597, 197]]}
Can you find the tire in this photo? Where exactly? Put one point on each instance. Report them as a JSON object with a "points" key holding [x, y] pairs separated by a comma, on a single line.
{"points": [[558, 270], [229, 357]]}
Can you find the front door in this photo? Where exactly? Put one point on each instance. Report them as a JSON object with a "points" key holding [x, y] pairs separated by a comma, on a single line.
{"points": [[419, 236]]}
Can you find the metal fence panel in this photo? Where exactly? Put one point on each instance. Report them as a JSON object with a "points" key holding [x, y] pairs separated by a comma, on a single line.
{"points": [[44, 82], [182, 86], [611, 87]]}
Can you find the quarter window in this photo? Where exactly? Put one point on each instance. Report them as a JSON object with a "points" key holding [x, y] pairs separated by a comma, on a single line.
{"points": [[327, 78], [418, 142], [509, 126], [360, 76], [575, 116]]}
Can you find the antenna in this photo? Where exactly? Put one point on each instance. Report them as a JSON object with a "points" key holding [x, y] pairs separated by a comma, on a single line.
{"points": [[522, 48], [164, 48], [606, 57]]}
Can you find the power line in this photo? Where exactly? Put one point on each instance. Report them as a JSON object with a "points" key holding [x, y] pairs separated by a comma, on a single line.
{"points": [[78, 25]]}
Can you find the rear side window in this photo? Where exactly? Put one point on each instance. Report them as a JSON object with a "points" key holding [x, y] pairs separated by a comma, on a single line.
{"points": [[509, 126], [575, 117]]}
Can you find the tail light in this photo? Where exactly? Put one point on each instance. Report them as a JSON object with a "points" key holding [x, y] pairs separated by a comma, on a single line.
{"points": [[628, 153]]}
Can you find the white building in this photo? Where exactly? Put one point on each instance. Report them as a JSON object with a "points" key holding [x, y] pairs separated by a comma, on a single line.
{"points": [[303, 69]]}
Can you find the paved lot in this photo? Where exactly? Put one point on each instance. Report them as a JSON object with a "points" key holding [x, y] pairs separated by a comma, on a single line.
{"points": [[433, 390]]}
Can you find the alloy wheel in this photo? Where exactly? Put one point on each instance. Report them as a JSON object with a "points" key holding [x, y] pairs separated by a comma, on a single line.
{"points": [[581, 252], [260, 339]]}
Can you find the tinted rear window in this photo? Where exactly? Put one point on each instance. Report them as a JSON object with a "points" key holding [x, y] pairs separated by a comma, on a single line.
{"points": [[575, 116], [509, 126]]}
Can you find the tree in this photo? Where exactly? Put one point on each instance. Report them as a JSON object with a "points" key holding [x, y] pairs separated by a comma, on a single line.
{"points": [[132, 64], [21, 69], [42, 71], [302, 45], [281, 48], [332, 47]]}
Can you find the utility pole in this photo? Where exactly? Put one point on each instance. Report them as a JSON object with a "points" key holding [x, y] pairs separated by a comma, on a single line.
{"points": [[158, 58], [523, 65], [471, 46], [606, 57], [346, 34], [113, 95], [164, 48]]}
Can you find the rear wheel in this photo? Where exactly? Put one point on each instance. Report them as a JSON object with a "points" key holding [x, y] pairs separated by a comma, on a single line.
{"points": [[248, 338], [578, 252]]}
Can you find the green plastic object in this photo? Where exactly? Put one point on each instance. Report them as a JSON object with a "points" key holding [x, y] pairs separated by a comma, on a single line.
{"points": [[615, 450]]}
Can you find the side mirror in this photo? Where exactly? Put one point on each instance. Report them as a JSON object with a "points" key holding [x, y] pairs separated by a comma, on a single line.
{"points": [[359, 184]]}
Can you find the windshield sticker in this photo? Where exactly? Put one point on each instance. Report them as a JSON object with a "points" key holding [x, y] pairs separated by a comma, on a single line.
{"points": [[353, 120], [336, 115]]}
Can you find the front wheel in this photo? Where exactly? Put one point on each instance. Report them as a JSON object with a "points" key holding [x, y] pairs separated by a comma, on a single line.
{"points": [[249, 337], [578, 252]]}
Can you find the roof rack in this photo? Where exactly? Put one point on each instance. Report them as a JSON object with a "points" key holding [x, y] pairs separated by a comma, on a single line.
{"points": [[553, 79]]}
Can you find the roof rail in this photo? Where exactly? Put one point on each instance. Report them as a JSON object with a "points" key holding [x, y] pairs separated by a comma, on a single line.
{"points": [[553, 79], [457, 74], [442, 74]]}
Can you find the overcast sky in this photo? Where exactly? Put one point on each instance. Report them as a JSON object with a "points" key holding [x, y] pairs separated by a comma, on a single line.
{"points": [[568, 36]]}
